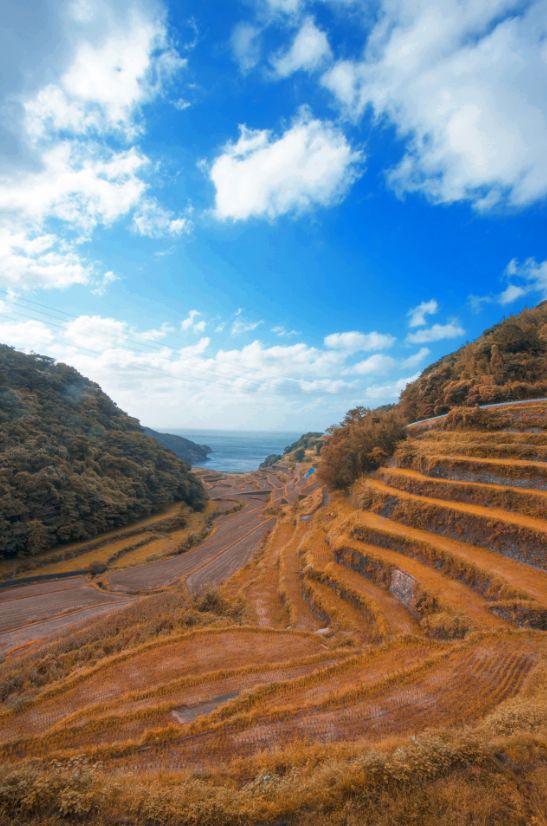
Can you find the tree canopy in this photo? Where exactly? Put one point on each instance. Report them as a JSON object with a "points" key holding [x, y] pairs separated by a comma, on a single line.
{"points": [[72, 464]]}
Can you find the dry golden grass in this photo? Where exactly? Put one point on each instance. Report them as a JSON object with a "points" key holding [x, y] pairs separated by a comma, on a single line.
{"points": [[365, 668], [517, 500]]}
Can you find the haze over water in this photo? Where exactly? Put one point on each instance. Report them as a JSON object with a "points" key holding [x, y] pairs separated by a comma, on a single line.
{"points": [[237, 451]]}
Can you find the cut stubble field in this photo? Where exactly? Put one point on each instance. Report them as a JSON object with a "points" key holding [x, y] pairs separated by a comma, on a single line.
{"points": [[308, 634]]}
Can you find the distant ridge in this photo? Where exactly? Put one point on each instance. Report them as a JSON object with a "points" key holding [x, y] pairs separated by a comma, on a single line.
{"points": [[185, 449]]}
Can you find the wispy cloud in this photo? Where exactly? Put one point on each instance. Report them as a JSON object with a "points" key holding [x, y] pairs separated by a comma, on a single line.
{"points": [[524, 278], [192, 323], [242, 325], [417, 316]]}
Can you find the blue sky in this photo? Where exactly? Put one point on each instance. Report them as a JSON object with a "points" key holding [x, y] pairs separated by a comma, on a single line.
{"points": [[259, 213]]}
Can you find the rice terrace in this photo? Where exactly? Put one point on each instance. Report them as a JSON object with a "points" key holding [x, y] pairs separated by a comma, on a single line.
{"points": [[310, 648], [273, 413]]}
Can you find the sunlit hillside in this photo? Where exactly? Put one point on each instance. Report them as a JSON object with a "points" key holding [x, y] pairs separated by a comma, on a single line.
{"points": [[370, 657]]}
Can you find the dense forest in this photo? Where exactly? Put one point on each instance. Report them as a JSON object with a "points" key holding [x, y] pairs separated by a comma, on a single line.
{"points": [[185, 449], [72, 464], [508, 362]]}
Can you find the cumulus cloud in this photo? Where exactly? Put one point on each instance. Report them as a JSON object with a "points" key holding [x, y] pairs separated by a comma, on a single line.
{"points": [[76, 185], [465, 85], [417, 315], [378, 363], [123, 60], [285, 384], [437, 332], [31, 260], [27, 335], [284, 6], [310, 164], [74, 100], [355, 342], [309, 51], [92, 332]]}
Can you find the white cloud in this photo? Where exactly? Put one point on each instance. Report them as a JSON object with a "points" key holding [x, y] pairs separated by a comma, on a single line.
{"points": [[310, 164], [354, 342], [245, 44], [110, 77], [309, 51], [92, 332], [282, 332], [437, 332], [388, 392], [240, 325], [526, 278], [511, 293], [26, 335], [285, 6], [76, 112], [465, 85], [284, 386], [417, 315], [101, 286], [154, 221], [416, 358], [156, 334], [192, 323], [78, 185], [378, 363], [532, 276], [43, 260]]}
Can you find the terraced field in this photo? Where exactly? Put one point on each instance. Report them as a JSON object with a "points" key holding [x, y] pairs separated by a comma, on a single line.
{"points": [[406, 616]]}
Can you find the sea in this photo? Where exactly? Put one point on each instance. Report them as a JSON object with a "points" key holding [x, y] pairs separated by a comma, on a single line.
{"points": [[238, 451]]}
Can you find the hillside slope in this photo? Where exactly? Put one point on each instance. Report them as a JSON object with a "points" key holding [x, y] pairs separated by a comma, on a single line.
{"points": [[185, 449], [72, 464], [378, 660], [507, 362]]}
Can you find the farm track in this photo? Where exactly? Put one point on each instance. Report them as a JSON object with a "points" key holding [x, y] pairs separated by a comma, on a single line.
{"points": [[30, 614]]}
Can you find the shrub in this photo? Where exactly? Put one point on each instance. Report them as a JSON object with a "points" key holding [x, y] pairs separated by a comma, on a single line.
{"points": [[361, 443]]}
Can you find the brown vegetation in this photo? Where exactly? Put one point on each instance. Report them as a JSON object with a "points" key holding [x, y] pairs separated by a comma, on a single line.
{"points": [[507, 362], [377, 659]]}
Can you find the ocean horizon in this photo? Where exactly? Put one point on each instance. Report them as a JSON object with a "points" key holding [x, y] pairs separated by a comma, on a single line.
{"points": [[237, 451]]}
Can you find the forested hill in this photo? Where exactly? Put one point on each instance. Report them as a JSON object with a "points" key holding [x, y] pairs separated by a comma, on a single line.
{"points": [[185, 449], [72, 464], [508, 362]]}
